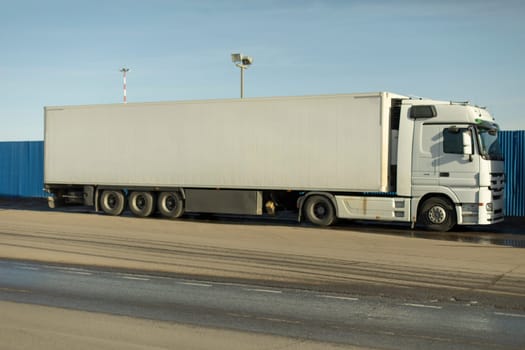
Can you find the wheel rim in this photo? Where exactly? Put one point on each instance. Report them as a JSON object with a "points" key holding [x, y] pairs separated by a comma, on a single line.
{"points": [[170, 203], [437, 215], [112, 201], [140, 202], [320, 210]]}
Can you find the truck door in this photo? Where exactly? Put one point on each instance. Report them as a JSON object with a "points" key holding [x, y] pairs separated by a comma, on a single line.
{"points": [[457, 167], [442, 155]]}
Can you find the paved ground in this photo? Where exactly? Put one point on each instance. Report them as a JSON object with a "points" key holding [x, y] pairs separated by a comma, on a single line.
{"points": [[346, 261], [37, 327]]}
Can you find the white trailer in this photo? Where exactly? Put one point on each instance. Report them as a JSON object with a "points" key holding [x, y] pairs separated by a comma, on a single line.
{"points": [[336, 156]]}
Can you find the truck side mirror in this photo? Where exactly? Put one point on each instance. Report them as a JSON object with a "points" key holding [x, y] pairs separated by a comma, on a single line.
{"points": [[467, 143]]}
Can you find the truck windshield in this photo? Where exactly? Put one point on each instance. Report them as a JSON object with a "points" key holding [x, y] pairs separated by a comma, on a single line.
{"points": [[489, 143]]}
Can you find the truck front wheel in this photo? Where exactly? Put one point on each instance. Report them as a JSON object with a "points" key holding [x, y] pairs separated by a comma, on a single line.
{"points": [[112, 202], [319, 211], [170, 204], [437, 214], [141, 203]]}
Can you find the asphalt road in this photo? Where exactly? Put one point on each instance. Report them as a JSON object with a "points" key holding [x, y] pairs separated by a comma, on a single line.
{"points": [[369, 322]]}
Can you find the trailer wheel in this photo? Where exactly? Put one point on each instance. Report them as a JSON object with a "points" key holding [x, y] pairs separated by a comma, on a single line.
{"points": [[437, 214], [319, 210], [112, 202], [170, 204], [141, 204]]}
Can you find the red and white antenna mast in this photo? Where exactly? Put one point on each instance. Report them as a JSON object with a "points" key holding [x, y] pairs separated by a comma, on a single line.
{"points": [[124, 70]]}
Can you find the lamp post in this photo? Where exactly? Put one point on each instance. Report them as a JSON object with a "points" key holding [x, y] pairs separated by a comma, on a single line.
{"points": [[124, 70], [242, 62]]}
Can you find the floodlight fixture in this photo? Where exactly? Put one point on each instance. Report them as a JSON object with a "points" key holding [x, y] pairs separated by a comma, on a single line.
{"points": [[236, 57], [242, 62], [246, 60]]}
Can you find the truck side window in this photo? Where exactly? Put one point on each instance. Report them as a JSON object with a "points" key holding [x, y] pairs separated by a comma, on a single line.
{"points": [[453, 141]]}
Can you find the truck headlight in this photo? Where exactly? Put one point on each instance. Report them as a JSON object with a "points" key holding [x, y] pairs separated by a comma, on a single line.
{"points": [[489, 206]]}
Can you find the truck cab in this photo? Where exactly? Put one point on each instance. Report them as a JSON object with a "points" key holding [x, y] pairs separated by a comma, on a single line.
{"points": [[450, 164]]}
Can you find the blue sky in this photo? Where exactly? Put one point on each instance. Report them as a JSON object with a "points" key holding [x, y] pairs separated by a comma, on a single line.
{"points": [[69, 52]]}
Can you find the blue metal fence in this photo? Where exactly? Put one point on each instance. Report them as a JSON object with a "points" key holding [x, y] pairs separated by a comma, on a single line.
{"points": [[22, 169], [513, 148]]}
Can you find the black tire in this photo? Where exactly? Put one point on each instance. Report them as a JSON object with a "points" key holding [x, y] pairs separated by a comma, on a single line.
{"points": [[319, 211], [112, 202], [141, 204], [170, 205], [437, 214]]}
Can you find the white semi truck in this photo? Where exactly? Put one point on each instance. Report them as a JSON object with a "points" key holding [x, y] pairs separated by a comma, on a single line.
{"points": [[371, 156]]}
